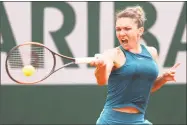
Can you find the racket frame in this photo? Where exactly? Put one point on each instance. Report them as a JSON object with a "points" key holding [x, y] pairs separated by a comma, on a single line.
{"points": [[38, 44]]}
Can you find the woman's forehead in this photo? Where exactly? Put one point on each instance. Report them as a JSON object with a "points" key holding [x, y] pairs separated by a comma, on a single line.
{"points": [[125, 22]]}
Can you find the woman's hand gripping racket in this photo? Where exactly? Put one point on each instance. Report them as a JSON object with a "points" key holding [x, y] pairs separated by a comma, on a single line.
{"points": [[25, 63]]}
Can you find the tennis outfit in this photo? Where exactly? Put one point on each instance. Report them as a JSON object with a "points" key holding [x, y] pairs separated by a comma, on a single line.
{"points": [[130, 85]]}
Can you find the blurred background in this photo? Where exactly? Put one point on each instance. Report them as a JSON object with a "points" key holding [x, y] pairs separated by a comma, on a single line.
{"points": [[79, 29]]}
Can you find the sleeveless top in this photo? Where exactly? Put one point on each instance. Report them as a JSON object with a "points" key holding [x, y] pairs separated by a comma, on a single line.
{"points": [[130, 85]]}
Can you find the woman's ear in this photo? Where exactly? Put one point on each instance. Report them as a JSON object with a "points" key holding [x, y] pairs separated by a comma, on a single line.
{"points": [[140, 31]]}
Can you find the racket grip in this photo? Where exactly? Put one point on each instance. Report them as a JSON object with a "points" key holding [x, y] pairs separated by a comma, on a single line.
{"points": [[84, 60]]}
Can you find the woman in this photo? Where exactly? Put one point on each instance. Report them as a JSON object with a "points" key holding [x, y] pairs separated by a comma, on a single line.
{"points": [[130, 70]]}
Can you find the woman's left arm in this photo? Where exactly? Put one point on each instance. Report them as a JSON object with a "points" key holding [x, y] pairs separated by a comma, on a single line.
{"points": [[165, 77]]}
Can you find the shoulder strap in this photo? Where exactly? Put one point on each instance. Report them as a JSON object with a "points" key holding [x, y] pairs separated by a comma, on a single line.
{"points": [[124, 51], [145, 51]]}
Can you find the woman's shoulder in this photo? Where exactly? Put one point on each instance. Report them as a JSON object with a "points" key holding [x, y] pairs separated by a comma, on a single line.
{"points": [[153, 51], [116, 54]]}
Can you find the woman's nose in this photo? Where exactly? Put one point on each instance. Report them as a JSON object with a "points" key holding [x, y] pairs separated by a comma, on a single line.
{"points": [[123, 33]]}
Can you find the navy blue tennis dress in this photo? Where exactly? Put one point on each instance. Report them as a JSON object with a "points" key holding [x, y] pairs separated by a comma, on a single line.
{"points": [[130, 85]]}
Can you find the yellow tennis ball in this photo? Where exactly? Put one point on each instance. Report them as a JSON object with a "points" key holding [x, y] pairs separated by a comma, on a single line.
{"points": [[28, 70]]}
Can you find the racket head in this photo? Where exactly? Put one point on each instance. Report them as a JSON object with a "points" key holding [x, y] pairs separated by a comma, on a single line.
{"points": [[30, 53]]}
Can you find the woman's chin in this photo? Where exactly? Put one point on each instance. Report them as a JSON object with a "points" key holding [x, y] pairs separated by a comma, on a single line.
{"points": [[125, 46]]}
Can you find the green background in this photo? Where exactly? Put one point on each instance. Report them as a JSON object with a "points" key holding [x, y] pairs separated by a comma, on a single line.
{"points": [[81, 104]]}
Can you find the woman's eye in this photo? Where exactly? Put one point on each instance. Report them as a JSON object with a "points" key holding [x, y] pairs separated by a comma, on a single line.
{"points": [[127, 29], [118, 29]]}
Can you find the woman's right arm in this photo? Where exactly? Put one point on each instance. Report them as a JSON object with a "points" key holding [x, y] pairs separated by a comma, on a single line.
{"points": [[104, 64]]}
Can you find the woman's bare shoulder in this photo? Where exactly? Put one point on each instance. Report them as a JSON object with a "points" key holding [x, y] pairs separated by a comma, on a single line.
{"points": [[116, 54], [153, 51]]}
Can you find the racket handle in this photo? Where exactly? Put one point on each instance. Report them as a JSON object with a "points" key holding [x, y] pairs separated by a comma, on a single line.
{"points": [[84, 60]]}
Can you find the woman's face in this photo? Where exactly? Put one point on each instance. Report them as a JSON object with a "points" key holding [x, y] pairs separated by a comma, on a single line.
{"points": [[127, 32]]}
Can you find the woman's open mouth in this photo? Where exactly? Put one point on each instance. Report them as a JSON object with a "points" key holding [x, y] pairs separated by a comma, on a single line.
{"points": [[124, 41]]}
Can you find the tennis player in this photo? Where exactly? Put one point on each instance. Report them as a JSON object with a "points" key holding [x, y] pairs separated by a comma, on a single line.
{"points": [[130, 70]]}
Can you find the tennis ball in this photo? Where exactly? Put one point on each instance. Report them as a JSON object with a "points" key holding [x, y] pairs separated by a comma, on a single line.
{"points": [[28, 70]]}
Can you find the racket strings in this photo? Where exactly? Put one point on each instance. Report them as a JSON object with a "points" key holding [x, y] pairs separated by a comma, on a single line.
{"points": [[15, 60], [37, 56], [30, 54]]}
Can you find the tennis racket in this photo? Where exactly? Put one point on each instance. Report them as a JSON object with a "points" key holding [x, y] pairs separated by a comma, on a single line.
{"points": [[38, 56]]}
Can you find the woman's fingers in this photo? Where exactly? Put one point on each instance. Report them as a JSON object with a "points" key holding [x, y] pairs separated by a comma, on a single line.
{"points": [[175, 66], [97, 63]]}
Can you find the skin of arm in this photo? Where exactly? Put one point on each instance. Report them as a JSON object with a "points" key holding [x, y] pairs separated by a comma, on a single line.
{"points": [[165, 77], [160, 81], [104, 65]]}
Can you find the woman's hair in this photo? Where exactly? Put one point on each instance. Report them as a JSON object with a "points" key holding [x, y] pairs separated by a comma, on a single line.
{"points": [[134, 12]]}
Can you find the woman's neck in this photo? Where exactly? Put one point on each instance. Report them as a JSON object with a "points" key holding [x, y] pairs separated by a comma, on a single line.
{"points": [[136, 49]]}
